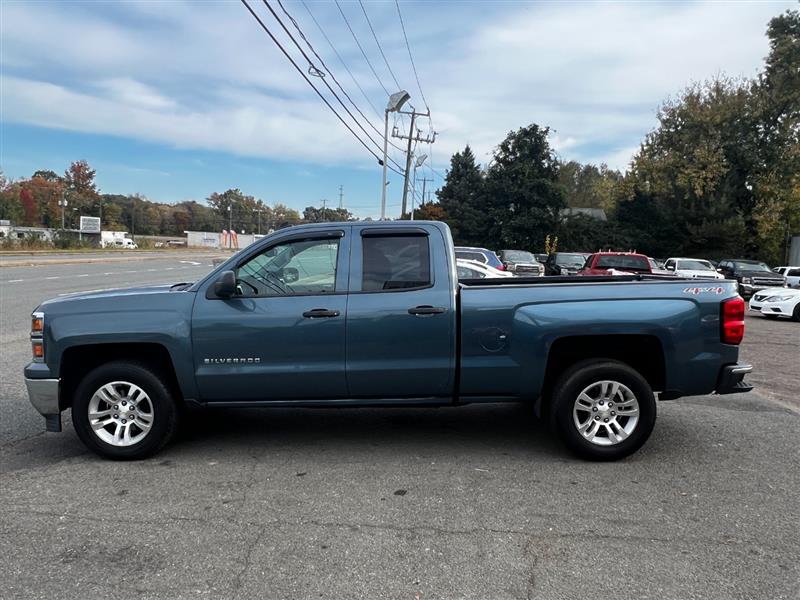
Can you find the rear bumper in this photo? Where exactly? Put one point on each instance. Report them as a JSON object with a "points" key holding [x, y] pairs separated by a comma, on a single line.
{"points": [[43, 395], [731, 379]]}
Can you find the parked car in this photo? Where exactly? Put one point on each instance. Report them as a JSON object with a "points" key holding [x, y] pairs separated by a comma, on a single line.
{"points": [[521, 263], [751, 275], [657, 268], [472, 269], [792, 275], [777, 302], [616, 263], [481, 255], [126, 243], [360, 313], [692, 267], [564, 263]]}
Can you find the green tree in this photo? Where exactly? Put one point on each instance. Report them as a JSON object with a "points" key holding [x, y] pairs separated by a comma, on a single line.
{"points": [[589, 186], [461, 200], [522, 193], [80, 189]]}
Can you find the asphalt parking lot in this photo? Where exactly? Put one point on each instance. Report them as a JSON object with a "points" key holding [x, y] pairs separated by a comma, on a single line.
{"points": [[473, 502]]}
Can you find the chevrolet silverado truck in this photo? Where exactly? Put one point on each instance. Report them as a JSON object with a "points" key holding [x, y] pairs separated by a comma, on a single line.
{"points": [[366, 314]]}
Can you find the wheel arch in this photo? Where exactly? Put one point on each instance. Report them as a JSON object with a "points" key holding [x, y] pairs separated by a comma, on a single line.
{"points": [[643, 353], [79, 361]]}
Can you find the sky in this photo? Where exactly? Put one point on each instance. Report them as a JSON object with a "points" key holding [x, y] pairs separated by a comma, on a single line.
{"points": [[176, 100]]}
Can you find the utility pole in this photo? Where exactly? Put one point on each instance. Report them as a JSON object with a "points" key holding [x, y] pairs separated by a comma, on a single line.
{"points": [[63, 204], [324, 202], [395, 103], [258, 210], [411, 137], [341, 196]]}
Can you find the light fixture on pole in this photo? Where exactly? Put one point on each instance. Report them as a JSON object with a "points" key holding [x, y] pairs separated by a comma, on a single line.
{"points": [[63, 204], [418, 163], [396, 102]]}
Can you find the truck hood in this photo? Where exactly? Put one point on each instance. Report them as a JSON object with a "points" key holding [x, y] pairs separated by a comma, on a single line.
{"points": [[117, 292]]}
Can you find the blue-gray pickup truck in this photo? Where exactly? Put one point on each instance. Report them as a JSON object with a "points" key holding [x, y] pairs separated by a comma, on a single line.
{"points": [[365, 314]]}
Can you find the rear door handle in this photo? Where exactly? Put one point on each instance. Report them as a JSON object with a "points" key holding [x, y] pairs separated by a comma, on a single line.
{"points": [[427, 310], [320, 313]]}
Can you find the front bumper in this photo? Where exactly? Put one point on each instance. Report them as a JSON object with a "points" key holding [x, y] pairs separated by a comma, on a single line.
{"points": [[43, 394], [731, 379], [781, 309]]}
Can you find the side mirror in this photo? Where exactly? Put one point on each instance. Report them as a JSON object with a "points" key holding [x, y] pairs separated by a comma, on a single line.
{"points": [[719, 270], [225, 286], [670, 267]]}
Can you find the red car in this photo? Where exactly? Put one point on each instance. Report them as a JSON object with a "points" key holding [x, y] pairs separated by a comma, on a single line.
{"points": [[616, 263]]}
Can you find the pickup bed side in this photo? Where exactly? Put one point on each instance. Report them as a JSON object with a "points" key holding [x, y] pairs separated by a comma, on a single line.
{"points": [[515, 337]]}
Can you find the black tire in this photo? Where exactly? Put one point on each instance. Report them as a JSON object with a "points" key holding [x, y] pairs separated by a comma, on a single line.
{"points": [[164, 409], [582, 375], [796, 314]]}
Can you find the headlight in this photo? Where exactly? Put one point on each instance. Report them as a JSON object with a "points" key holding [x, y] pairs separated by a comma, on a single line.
{"points": [[779, 298]]}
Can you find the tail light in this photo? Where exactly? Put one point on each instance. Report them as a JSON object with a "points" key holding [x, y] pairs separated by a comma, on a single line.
{"points": [[732, 321]]}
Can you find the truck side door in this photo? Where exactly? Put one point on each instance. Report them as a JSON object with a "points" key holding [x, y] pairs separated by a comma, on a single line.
{"points": [[282, 336], [401, 314]]}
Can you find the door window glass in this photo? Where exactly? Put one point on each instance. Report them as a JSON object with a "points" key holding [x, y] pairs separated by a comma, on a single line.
{"points": [[291, 268], [395, 263]]}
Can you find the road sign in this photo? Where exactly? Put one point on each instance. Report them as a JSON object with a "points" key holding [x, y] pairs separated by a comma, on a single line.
{"points": [[90, 225]]}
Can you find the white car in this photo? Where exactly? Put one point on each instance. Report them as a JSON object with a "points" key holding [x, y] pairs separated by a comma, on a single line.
{"points": [[695, 268], [792, 275], [778, 302], [472, 269]]}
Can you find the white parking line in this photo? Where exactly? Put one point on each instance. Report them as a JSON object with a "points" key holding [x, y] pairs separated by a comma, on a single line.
{"points": [[54, 277], [14, 280]]}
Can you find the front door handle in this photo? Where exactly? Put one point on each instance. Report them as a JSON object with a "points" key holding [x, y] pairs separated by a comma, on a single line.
{"points": [[320, 313], [427, 310]]}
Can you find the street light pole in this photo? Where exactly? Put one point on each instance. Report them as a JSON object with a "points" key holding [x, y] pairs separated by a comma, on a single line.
{"points": [[396, 102], [417, 164]]}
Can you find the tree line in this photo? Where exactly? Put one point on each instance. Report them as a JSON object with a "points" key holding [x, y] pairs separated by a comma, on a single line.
{"points": [[718, 176], [34, 202]]}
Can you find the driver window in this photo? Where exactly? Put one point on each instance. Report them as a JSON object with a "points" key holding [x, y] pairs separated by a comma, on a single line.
{"points": [[290, 268]]}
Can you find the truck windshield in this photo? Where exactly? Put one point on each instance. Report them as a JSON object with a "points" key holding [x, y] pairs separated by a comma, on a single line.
{"points": [[570, 260], [695, 265], [623, 262], [751, 266], [519, 256]]}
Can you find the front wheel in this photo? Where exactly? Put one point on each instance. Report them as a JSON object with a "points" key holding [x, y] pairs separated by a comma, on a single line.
{"points": [[123, 411], [603, 410]]}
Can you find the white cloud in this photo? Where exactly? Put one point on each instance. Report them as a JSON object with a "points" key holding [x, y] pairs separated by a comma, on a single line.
{"points": [[207, 77]]}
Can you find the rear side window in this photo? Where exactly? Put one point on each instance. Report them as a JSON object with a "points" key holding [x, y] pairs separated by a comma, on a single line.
{"points": [[471, 256], [793, 273], [395, 263], [612, 261]]}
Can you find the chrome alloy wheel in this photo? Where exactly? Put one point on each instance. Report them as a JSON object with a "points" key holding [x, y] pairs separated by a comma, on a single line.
{"points": [[121, 413], [606, 413]]}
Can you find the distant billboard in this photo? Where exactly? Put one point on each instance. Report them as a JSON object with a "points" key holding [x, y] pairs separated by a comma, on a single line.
{"points": [[90, 225]]}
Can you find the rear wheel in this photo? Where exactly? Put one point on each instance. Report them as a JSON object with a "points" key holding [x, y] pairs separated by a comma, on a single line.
{"points": [[124, 411], [796, 313], [603, 410]]}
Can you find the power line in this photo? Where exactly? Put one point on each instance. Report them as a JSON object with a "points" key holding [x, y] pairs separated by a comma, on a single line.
{"points": [[313, 69], [327, 68], [341, 60], [364, 54], [411, 58], [380, 48], [303, 75]]}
